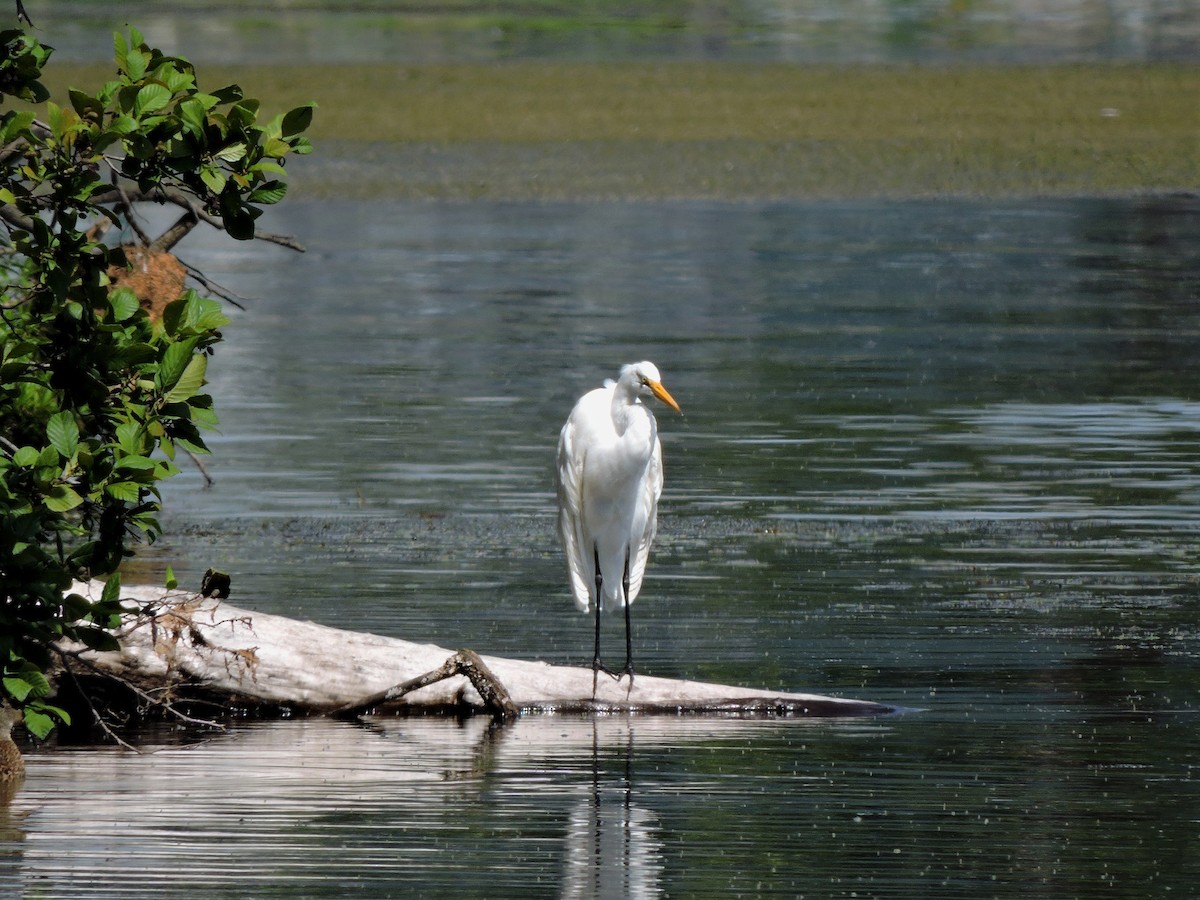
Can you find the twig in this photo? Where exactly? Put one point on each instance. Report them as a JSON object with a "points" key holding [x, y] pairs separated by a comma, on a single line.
{"points": [[130, 216], [491, 690], [213, 288], [208, 479], [169, 195], [145, 696], [96, 717]]}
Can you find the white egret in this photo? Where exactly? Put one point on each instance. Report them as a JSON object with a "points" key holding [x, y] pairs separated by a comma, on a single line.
{"points": [[609, 479]]}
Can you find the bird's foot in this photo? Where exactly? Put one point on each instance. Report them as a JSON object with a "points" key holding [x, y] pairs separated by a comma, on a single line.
{"points": [[598, 667], [628, 670]]}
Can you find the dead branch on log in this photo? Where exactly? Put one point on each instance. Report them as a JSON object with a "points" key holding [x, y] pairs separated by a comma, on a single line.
{"points": [[491, 690]]}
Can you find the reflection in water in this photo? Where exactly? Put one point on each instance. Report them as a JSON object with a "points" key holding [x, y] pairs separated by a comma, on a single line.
{"points": [[612, 848], [294, 807]]}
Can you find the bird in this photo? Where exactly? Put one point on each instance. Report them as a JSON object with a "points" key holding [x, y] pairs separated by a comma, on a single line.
{"points": [[12, 767], [608, 479]]}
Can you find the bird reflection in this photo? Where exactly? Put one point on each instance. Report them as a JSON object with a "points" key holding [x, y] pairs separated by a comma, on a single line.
{"points": [[613, 848]]}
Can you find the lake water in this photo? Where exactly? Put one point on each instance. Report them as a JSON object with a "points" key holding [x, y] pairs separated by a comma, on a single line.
{"points": [[804, 31], [941, 455], [938, 454]]}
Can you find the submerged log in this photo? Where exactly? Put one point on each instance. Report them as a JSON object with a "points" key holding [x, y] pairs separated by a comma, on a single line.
{"points": [[185, 644]]}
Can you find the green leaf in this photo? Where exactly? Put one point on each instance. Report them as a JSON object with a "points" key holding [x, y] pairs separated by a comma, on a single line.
{"points": [[30, 683], [125, 491], [232, 153], [230, 94], [17, 688], [61, 498], [277, 148], [175, 361], [124, 304], [213, 179], [175, 79], [131, 438], [112, 589], [76, 606], [98, 639], [120, 49], [15, 124], [298, 120], [237, 219], [63, 433], [205, 314], [193, 115], [38, 723], [61, 714], [123, 125], [136, 463], [270, 192], [135, 64], [86, 105], [171, 583], [151, 98], [190, 381]]}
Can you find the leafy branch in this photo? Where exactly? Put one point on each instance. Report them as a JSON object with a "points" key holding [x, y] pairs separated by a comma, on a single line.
{"points": [[96, 394]]}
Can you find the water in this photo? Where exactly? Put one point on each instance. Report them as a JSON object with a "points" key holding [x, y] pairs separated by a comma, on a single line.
{"points": [[935, 454], [802, 31], [938, 454]]}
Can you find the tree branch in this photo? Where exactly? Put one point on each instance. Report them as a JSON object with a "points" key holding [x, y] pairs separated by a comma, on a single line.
{"points": [[179, 198], [13, 217], [494, 694], [177, 232]]}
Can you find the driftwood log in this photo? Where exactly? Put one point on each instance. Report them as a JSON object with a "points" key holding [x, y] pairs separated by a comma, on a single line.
{"points": [[182, 644]]}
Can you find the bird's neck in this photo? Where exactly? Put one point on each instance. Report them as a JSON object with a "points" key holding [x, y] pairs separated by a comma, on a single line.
{"points": [[626, 409]]}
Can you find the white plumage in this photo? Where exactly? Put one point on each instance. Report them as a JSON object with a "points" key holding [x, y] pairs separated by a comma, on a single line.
{"points": [[609, 480]]}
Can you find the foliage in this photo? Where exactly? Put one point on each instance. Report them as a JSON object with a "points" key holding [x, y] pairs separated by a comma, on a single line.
{"points": [[95, 396]]}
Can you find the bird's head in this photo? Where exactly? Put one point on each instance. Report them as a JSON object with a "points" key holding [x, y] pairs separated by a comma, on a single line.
{"points": [[9, 716], [644, 379]]}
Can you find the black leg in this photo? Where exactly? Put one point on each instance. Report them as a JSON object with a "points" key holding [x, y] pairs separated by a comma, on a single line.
{"points": [[596, 664], [628, 631]]}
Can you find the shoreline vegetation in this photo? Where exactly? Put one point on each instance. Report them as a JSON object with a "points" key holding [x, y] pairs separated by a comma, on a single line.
{"points": [[729, 131]]}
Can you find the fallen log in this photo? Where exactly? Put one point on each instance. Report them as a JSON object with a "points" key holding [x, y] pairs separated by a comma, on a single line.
{"points": [[182, 644]]}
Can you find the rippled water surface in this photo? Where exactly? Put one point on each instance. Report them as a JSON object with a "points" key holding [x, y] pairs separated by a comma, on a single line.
{"points": [[853, 31], [941, 455]]}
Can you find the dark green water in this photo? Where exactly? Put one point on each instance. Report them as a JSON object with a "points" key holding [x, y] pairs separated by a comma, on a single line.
{"points": [[937, 454]]}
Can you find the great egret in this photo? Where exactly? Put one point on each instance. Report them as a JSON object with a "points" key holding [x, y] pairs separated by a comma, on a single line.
{"points": [[609, 479]]}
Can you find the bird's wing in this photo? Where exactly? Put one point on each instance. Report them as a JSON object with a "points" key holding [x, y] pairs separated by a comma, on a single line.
{"points": [[569, 484], [640, 548]]}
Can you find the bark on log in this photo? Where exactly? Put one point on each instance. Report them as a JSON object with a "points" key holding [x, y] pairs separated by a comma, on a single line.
{"points": [[180, 641]]}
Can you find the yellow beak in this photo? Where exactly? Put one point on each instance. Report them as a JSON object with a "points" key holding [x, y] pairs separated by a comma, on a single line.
{"points": [[661, 393]]}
